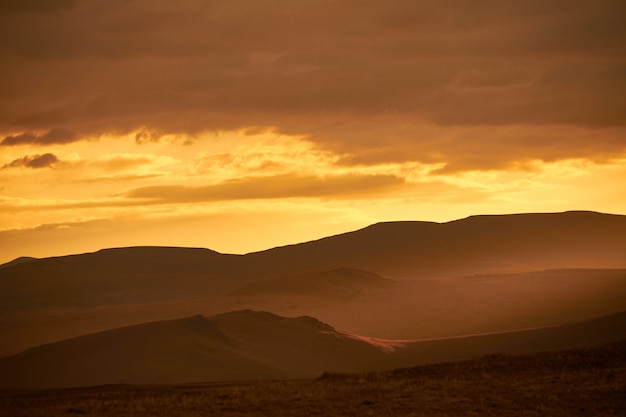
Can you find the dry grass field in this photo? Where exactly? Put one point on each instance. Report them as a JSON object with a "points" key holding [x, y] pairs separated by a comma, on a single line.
{"points": [[581, 382]]}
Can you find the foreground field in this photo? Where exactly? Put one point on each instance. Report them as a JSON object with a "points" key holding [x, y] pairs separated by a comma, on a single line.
{"points": [[568, 383]]}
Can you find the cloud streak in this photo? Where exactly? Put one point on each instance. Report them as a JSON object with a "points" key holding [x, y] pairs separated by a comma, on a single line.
{"points": [[33, 161], [270, 187], [57, 136], [476, 148]]}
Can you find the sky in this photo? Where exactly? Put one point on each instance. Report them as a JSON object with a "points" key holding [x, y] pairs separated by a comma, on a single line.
{"points": [[240, 125]]}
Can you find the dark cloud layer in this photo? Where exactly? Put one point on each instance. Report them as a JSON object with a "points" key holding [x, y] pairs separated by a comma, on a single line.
{"points": [[475, 148], [307, 66], [33, 161]]}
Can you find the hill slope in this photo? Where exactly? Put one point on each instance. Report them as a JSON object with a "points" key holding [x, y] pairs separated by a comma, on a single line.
{"points": [[243, 345], [586, 333], [477, 244], [248, 345], [17, 261]]}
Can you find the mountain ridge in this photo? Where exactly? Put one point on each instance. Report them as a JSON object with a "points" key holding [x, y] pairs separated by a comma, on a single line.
{"points": [[372, 226]]}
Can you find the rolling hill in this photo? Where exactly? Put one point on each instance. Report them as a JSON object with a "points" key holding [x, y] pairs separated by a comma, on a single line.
{"points": [[243, 345], [474, 245], [249, 345]]}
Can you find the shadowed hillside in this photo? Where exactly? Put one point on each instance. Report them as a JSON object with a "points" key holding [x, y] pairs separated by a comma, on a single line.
{"points": [[243, 345], [586, 333], [248, 345]]}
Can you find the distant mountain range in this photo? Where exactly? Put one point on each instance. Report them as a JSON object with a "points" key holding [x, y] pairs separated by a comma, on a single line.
{"points": [[398, 280], [477, 244]]}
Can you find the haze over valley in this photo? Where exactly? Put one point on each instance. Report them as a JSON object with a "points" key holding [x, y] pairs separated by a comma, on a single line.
{"points": [[484, 284]]}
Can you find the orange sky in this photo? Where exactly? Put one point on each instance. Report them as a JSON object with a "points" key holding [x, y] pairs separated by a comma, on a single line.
{"points": [[240, 125]]}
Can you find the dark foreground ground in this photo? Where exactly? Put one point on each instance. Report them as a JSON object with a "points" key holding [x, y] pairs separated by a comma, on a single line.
{"points": [[580, 382]]}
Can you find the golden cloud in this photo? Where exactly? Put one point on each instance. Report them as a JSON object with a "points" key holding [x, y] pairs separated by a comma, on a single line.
{"points": [[270, 187]]}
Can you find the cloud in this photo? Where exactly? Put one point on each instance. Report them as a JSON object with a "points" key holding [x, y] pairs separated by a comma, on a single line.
{"points": [[33, 161], [278, 186], [476, 147], [308, 67], [52, 137], [349, 186], [50, 226], [146, 62]]}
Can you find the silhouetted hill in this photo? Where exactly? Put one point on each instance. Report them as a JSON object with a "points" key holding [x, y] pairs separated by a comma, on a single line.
{"points": [[17, 261], [114, 276], [477, 244], [243, 345], [250, 345]]}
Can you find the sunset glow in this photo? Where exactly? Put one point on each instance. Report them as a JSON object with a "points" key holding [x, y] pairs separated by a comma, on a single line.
{"points": [[244, 125]]}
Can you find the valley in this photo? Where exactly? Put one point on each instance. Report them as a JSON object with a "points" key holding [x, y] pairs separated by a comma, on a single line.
{"points": [[420, 290]]}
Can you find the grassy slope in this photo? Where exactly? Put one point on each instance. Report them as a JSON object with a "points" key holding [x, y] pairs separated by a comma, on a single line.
{"points": [[590, 381]]}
